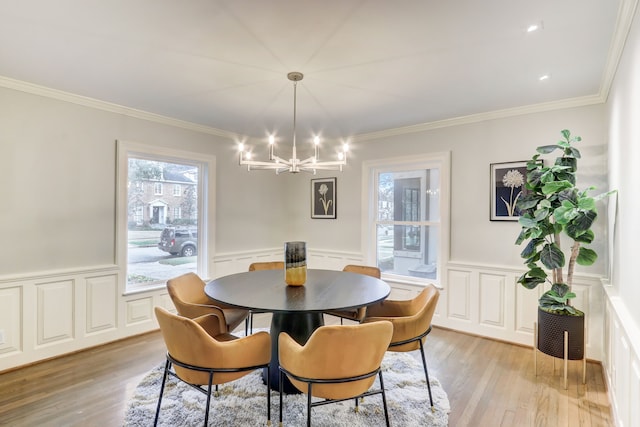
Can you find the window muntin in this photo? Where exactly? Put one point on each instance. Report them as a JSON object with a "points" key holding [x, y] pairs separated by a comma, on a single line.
{"points": [[157, 188]]}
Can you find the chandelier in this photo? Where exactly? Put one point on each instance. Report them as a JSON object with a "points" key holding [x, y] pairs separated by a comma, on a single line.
{"points": [[294, 165]]}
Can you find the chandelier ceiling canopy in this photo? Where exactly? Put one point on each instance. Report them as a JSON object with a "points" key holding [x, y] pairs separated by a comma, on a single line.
{"points": [[294, 164]]}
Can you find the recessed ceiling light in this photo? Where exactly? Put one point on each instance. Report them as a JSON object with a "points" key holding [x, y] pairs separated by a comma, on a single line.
{"points": [[544, 77], [534, 27]]}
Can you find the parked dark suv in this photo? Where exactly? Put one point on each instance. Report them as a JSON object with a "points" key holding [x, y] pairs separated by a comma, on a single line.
{"points": [[179, 240]]}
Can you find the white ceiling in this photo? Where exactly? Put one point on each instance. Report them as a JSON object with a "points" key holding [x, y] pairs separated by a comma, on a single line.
{"points": [[369, 65]]}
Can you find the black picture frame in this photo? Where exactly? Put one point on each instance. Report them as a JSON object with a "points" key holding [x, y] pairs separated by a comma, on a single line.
{"points": [[323, 198], [507, 186]]}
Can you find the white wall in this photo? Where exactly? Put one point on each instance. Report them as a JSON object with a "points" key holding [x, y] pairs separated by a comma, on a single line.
{"points": [[622, 358]]}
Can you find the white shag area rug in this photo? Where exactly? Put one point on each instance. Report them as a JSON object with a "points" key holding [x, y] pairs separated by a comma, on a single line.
{"points": [[243, 402]]}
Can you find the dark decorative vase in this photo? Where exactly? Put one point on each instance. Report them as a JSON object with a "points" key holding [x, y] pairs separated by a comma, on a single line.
{"points": [[295, 263], [551, 329]]}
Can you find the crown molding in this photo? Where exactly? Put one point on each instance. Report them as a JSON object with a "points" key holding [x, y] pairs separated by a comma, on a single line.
{"points": [[111, 107], [624, 20], [491, 115]]}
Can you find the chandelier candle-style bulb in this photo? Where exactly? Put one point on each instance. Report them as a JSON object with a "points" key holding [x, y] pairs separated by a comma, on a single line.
{"points": [[272, 141], [316, 143], [293, 164]]}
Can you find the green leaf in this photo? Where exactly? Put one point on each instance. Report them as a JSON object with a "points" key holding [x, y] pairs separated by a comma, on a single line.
{"points": [[546, 149], [586, 237], [586, 256], [551, 256], [529, 282], [565, 213], [547, 176], [587, 203], [531, 248], [541, 214], [561, 289], [528, 201], [555, 187], [566, 133], [522, 236], [527, 222], [570, 194], [574, 152], [584, 220], [603, 195], [557, 299], [537, 272]]}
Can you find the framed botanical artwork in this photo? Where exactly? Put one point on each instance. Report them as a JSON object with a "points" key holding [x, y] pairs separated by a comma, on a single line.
{"points": [[507, 186], [323, 198]]}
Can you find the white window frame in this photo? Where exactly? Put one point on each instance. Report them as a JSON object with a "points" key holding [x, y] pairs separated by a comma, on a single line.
{"points": [[177, 189], [206, 203], [370, 171], [157, 188]]}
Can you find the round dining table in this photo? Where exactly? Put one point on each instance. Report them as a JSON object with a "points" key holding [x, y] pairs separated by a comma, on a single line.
{"points": [[297, 310]]}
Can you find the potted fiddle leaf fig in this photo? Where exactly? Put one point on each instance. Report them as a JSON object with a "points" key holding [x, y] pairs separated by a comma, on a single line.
{"points": [[555, 212]]}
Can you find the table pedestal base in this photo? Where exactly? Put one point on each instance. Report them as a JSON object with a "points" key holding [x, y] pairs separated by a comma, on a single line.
{"points": [[299, 326]]}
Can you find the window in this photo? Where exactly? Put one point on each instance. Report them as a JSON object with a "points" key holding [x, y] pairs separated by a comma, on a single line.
{"points": [[177, 190], [157, 188], [406, 211], [160, 237]]}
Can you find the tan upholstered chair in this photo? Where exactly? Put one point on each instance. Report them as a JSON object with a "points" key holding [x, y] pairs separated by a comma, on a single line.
{"points": [[411, 323], [202, 354], [337, 363], [359, 313], [257, 266], [268, 265], [187, 294]]}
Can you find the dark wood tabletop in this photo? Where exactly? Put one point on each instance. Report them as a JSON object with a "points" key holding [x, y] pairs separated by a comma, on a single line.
{"points": [[324, 290]]}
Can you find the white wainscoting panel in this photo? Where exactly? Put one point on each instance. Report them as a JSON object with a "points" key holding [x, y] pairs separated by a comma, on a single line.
{"points": [[164, 301], [634, 392], [492, 300], [55, 312], [11, 320], [526, 309], [458, 295], [140, 310], [101, 303]]}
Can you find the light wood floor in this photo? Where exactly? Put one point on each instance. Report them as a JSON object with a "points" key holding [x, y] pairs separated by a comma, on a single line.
{"points": [[489, 383]]}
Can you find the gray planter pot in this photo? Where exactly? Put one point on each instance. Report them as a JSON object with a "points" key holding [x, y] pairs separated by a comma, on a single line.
{"points": [[551, 329]]}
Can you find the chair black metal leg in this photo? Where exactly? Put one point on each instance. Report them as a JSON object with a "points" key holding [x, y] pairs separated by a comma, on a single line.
{"points": [[280, 389], [426, 374], [206, 410], [268, 395], [309, 405], [167, 366], [384, 399]]}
